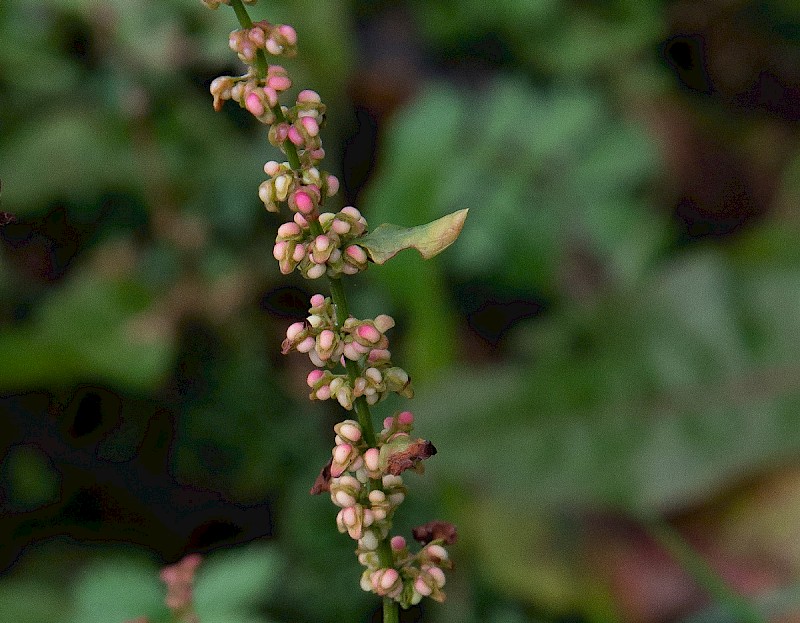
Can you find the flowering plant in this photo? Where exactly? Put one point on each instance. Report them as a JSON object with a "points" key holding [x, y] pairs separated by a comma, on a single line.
{"points": [[352, 361]]}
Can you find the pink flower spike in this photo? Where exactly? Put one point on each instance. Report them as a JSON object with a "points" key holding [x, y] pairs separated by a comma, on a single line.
{"points": [[254, 105], [398, 543], [287, 230], [406, 418], [294, 135], [314, 376], [289, 33], [307, 96], [368, 333]]}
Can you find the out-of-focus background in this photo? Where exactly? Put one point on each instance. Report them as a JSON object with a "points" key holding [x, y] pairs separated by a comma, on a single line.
{"points": [[608, 360]]}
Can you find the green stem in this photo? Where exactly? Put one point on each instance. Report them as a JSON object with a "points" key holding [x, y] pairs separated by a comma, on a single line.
{"points": [[391, 612], [671, 540]]}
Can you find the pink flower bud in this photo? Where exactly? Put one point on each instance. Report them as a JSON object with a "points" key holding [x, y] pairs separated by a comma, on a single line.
{"points": [[279, 250], [379, 355], [293, 135], [307, 96], [314, 376], [310, 125], [271, 168], [317, 154], [303, 202], [383, 323], [279, 83], [340, 227], [287, 230], [322, 243], [368, 333], [299, 253], [352, 212], [257, 36], [406, 418], [358, 254], [437, 553], [324, 392], [288, 33], [316, 271], [342, 452], [272, 96], [254, 105], [333, 185], [317, 301], [422, 588], [306, 345], [389, 421], [295, 329], [326, 339], [398, 543], [372, 459]]}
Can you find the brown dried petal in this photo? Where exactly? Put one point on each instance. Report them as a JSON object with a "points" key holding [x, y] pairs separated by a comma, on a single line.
{"points": [[323, 482], [434, 530], [408, 458]]}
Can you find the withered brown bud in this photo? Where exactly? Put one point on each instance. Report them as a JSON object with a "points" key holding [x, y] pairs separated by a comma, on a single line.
{"points": [[323, 482], [408, 458]]}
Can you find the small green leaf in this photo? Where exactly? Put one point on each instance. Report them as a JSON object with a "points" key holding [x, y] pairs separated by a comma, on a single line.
{"points": [[431, 239]]}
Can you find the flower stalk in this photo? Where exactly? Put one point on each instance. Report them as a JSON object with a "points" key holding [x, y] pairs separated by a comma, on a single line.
{"points": [[351, 357]]}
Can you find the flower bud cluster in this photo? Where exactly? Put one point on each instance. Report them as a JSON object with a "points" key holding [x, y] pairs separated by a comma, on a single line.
{"points": [[301, 125], [329, 345], [277, 40], [363, 486], [333, 251], [258, 95]]}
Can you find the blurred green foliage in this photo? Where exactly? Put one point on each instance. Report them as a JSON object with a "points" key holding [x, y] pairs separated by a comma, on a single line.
{"points": [[575, 352]]}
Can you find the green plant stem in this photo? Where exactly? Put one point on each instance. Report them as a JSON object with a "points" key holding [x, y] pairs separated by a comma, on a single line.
{"points": [[671, 540], [391, 612]]}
